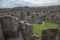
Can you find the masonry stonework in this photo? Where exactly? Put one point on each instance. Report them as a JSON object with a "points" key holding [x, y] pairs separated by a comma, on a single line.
{"points": [[35, 15], [16, 24], [14, 29], [50, 34]]}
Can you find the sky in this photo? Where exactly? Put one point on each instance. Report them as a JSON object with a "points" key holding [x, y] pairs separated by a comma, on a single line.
{"points": [[31, 3]]}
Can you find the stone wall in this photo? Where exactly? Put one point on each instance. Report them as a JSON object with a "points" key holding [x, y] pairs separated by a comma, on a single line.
{"points": [[16, 23], [14, 29], [27, 30], [1, 33], [35, 15], [50, 34]]}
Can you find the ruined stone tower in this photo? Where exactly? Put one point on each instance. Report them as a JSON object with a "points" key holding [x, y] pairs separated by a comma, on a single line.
{"points": [[13, 29]]}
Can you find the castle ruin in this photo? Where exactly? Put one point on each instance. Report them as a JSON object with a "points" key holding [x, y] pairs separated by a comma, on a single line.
{"points": [[16, 23]]}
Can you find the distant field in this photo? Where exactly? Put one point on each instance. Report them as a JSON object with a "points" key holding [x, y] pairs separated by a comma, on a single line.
{"points": [[38, 27]]}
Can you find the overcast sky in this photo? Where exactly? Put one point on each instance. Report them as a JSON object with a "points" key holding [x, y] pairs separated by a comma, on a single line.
{"points": [[19, 3]]}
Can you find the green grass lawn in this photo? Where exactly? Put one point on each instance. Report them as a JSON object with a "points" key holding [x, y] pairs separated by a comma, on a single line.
{"points": [[38, 27]]}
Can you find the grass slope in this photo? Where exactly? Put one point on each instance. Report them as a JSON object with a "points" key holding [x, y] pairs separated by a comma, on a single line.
{"points": [[38, 28]]}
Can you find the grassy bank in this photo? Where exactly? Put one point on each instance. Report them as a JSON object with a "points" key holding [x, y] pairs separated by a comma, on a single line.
{"points": [[38, 27]]}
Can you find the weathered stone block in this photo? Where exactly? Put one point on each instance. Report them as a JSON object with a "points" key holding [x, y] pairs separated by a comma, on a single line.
{"points": [[49, 34]]}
